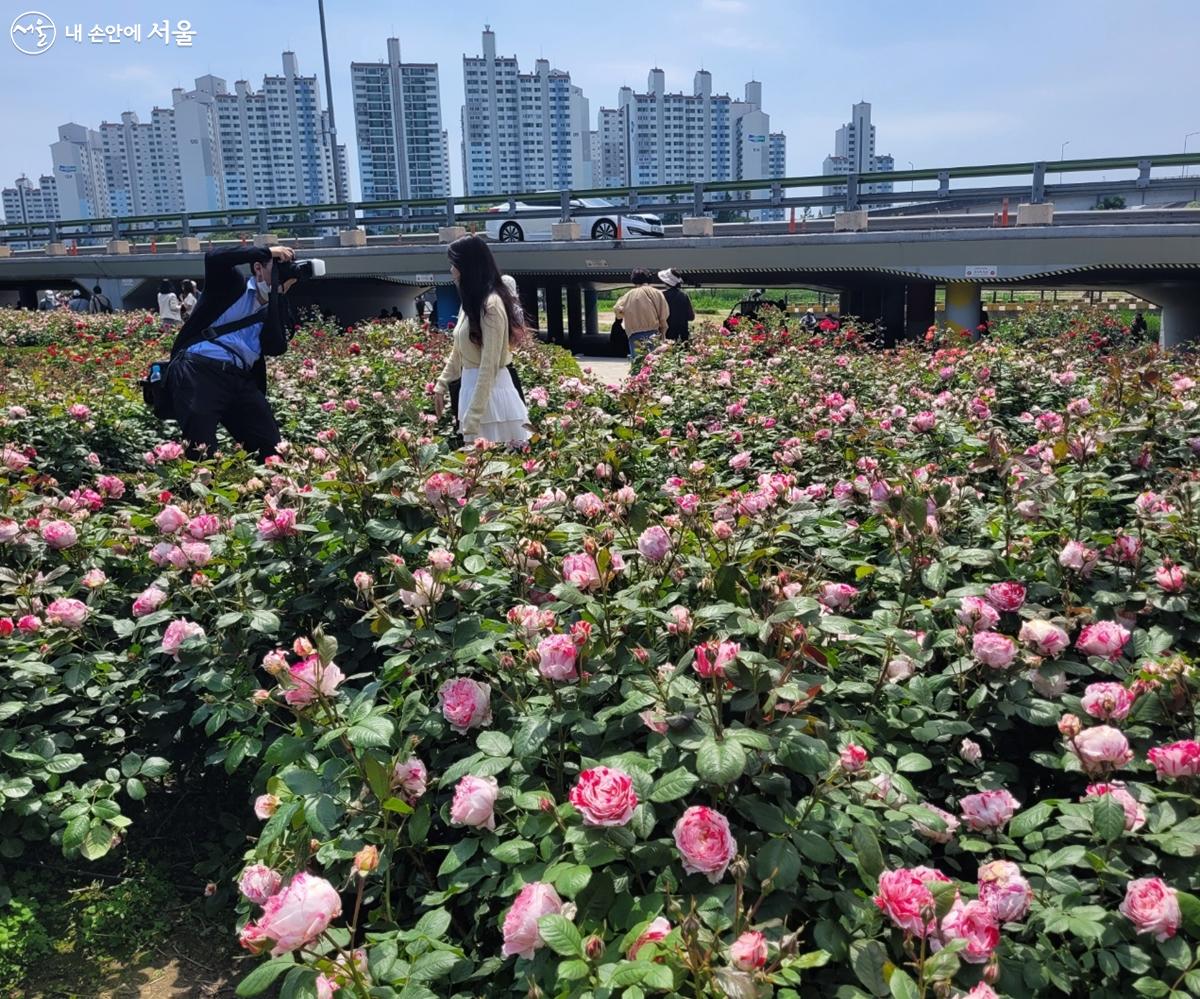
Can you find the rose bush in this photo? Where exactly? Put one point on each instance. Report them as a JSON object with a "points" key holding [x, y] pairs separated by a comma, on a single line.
{"points": [[789, 666]]}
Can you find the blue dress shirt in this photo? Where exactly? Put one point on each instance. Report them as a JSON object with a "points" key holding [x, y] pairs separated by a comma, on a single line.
{"points": [[244, 343]]}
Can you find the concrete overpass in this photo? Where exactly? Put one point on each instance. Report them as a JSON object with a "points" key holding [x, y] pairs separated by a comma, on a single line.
{"points": [[889, 276]]}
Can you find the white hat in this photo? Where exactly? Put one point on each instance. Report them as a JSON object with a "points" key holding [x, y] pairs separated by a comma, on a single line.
{"points": [[669, 277]]}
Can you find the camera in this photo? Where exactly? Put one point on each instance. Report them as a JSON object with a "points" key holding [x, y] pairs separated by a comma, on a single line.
{"points": [[300, 270]]}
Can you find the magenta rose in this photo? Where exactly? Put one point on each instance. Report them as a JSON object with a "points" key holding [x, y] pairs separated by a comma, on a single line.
{"points": [[1176, 759], [178, 632], [1004, 890], [1170, 578], [903, 896], [149, 600], [259, 883], [580, 571], [294, 917], [465, 703], [1135, 814], [203, 526], [67, 612], [1100, 748], [1006, 596], [59, 534], [1047, 639], [853, 758], [654, 543], [1153, 907], [170, 520], [711, 662], [837, 596], [556, 658], [749, 951], [972, 922], [705, 842], [474, 802], [977, 614], [521, 934], [1107, 701], [988, 809], [1103, 638], [993, 649], [604, 797], [657, 930], [308, 679]]}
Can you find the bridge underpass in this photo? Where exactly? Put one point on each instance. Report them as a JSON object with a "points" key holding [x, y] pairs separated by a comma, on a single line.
{"points": [[888, 276]]}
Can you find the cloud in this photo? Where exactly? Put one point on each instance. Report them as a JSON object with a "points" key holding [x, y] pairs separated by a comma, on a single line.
{"points": [[725, 6]]}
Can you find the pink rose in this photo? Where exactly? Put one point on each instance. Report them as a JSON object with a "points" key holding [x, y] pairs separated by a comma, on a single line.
{"points": [[981, 990], [993, 649], [1100, 748], [974, 923], [1103, 638], [445, 491], [988, 809], [1107, 700], [465, 703], [410, 777], [1047, 639], [308, 679], [265, 805], [170, 520], [969, 750], [977, 614], [704, 842], [521, 934], [853, 758], [196, 553], [1153, 907], [580, 571], [837, 596], [903, 896], [604, 797], [681, 620], [67, 613], [709, 663], [94, 578], [441, 559], [276, 524], [1135, 814], [474, 801], [179, 631], [294, 917], [59, 534], [740, 461], [29, 623], [1176, 759], [588, 504], [1170, 578], [1004, 890], [363, 582], [426, 591], [945, 835], [654, 543], [1006, 596], [148, 601], [259, 883], [203, 526], [657, 930], [556, 658], [924, 421], [749, 951], [1079, 557]]}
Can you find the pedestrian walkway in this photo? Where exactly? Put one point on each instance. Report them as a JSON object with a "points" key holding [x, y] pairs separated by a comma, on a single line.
{"points": [[606, 370]]}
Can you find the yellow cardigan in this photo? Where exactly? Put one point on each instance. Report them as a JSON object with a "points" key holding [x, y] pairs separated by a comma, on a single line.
{"points": [[490, 358]]}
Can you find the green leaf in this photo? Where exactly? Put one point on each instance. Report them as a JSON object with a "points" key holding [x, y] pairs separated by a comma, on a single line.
{"points": [[672, 786], [494, 743], [1189, 909], [867, 958], [155, 766], [265, 621], [900, 984], [1030, 819], [866, 845], [301, 983], [302, 782], [64, 763], [779, 862], [572, 879], [1147, 986], [530, 736], [573, 970], [1068, 856], [514, 851], [560, 935], [804, 754], [433, 965], [433, 924], [944, 897], [261, 977], [131, 763], [720, 762], [911, 763], [1108, 818], [815, 847], [135, 789], [458, 854], [97, 842], [372, 731]]}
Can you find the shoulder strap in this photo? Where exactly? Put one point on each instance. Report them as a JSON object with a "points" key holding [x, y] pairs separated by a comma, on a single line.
{"points": [[215, 332]]}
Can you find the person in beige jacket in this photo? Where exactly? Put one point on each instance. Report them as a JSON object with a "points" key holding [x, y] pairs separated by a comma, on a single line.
{"points": [[490, 320], [643, 311]]}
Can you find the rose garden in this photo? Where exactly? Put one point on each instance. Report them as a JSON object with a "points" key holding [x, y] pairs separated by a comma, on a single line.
{"points": [[790, 667]]}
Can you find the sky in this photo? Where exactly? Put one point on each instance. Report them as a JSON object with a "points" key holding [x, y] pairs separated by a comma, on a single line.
{"points": [[950, 83]]}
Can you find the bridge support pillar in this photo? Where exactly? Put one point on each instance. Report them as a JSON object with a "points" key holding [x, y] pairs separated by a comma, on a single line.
{"points": [[575, 318], [27, 297], [891, 309], [963, 306], [591, 316], [1180, 304], [554, 313], [528, 294], [919, 308]]}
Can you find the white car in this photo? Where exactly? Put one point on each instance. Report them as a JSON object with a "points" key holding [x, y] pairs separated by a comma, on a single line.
{"points": [[606, 226]]}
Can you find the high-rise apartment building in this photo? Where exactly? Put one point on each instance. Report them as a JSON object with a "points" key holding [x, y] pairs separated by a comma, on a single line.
{"points": [[522, 131], [402, 147], [854, 153], [141, 164], [658, 137], [25, 203], [80, 177]]}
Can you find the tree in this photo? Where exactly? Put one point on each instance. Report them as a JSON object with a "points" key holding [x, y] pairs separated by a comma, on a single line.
{"points": [[1109, 202]]}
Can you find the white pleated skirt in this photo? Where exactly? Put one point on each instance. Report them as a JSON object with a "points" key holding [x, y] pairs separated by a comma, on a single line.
{"points": [[505, 417]]}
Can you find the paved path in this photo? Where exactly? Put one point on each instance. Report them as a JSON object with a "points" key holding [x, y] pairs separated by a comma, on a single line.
{"points": [[606, 370]]}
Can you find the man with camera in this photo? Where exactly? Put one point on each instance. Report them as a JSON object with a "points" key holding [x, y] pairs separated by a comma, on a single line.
{"points": [[217, 374]]}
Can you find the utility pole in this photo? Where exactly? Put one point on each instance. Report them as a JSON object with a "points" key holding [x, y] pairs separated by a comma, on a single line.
{"points": [[339, 182]]}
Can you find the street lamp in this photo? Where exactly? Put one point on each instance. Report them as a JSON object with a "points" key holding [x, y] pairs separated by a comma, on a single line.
{"points": [[1061, 152], [1185, 142], [912, 183]]}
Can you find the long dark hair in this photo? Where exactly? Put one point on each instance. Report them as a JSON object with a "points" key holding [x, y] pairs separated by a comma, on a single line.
{"points": [[478, 278]]}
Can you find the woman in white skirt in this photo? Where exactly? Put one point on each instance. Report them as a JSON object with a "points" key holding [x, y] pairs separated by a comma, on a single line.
{"points": [[489, 322]]}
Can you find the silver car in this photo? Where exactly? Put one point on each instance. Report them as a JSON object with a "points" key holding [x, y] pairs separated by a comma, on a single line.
{"points": [[597, 226]]}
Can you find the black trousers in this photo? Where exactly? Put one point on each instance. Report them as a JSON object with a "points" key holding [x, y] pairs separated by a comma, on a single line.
{"points": [[208, 393]]}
